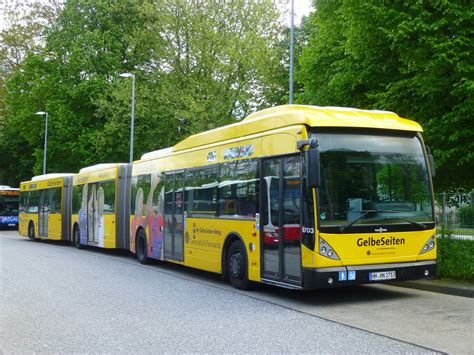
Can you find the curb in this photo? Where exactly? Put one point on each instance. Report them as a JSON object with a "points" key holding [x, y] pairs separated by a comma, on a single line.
{"points": [[455, 289]]}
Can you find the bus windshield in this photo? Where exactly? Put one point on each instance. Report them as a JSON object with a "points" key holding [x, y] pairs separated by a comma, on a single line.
{"points": [[8, 205], [370, 179]]}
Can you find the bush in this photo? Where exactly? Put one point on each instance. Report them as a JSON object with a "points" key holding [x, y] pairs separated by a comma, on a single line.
{"points": [[466, 216], [456, 259]]}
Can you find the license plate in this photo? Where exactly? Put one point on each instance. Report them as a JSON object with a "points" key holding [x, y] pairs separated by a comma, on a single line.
{"points": [[382, 275]]}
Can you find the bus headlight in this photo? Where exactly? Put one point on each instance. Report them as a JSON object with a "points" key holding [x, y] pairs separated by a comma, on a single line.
{"points": [[429, 245], [326, 250]]}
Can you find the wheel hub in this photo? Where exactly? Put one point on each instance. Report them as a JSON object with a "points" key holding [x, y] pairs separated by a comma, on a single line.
{"points": [[235, 265]]}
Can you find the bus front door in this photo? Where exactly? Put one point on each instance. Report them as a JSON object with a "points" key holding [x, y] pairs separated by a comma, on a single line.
{"points": [[280, 227], [43, 213], [173, 216]]}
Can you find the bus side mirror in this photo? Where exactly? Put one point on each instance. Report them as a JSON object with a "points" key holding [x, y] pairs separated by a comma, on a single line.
{"points": [[313, 168], [431, 161]]}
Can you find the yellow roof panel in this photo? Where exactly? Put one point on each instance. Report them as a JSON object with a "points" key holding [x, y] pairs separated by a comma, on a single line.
{"points": [[312, 116]]}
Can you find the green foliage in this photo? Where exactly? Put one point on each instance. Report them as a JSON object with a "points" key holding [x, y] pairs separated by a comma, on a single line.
{"points": [[466, 216], [455, 259], [197, 66], [412, 58]]}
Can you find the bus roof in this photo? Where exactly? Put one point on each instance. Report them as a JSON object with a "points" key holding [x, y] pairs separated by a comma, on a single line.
{"points": [[312, 116], [6, 187], [98, 167], [50, 176], [157, 153]]}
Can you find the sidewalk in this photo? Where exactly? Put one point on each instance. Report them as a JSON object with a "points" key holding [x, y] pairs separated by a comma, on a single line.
{"points": [[448, 287]]}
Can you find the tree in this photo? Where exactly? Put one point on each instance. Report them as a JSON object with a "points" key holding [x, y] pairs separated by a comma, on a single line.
{"points": [[415, 59], [197, 66], [22, 35]]}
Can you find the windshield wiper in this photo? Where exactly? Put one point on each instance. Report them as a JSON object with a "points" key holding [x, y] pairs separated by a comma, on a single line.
{"points": [[421, 225], [366, 212]]}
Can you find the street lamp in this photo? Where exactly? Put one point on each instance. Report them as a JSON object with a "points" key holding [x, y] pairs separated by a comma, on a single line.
{"points": [[129, 75], [292, 50], [42, 113]]}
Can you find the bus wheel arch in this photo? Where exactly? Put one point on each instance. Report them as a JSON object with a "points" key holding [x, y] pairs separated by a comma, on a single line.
{"points": [[141, 246], [235, 262]]}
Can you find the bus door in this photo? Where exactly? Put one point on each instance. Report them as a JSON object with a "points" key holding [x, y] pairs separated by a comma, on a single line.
{"points": [[280, 226], [92, 214], [173, 216], [43, 213]]}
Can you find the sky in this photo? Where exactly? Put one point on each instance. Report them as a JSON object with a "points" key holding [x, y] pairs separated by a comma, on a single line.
{"points": [[302, 8]]}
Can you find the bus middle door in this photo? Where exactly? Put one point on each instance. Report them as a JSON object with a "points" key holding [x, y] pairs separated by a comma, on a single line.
{"points": [[280, 219], [174, 217], [43, 213]]}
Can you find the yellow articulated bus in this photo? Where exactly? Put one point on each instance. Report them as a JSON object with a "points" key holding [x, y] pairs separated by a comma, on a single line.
{"points": [[45, 207], [294, 196], [100, 212]]}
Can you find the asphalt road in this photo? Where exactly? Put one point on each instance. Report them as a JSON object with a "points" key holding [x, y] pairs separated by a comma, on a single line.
{"points": [[54, 298]]}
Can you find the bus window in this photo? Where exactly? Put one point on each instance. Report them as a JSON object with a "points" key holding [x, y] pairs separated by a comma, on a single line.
{"points": [[33, 200], [140, 183], [76, 198], [201, 192], [54, 200], [22, 206], [158, 202], [238, 189], [109, 195]]}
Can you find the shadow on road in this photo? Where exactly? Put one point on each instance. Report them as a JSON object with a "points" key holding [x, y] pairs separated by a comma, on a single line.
{"points": [[322, 297]]}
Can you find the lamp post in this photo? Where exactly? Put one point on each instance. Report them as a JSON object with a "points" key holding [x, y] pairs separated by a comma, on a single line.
{"points": [[292, 36], [129, 75], [42, 113]]}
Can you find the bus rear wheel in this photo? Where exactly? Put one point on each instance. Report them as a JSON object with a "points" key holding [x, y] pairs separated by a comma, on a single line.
{"points": [[77, 239], [141, 247], [237, 266], [31, 232]]}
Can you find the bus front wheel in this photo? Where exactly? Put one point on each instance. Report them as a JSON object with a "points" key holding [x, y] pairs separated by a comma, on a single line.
{"points": [[141, 247], [237, 266]]}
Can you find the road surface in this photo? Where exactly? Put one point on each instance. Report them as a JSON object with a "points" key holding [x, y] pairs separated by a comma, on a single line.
{"points": [[55, 298]]}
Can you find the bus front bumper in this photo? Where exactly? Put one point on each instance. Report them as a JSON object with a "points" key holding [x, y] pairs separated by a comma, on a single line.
{"points": [[367, 274]]}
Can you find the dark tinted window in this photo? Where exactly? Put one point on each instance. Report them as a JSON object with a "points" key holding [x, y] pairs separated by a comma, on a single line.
{"points": [[33, 200], [201, 192], [54, 200], [238, 189], [107, 188], [76, 198], [140, 191]]}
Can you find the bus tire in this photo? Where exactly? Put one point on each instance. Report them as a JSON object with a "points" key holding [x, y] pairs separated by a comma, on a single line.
{"points": [[31, 232], [237, 270], [76, 235], [141, 247]]}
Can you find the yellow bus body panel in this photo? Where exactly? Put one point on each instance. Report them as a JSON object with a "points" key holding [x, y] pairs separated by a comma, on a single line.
{"points": [[41, 184], [108, 172], [376, 248], [25, 219], [54, 226], [54, 231], [110, 240], [204, 241]]}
